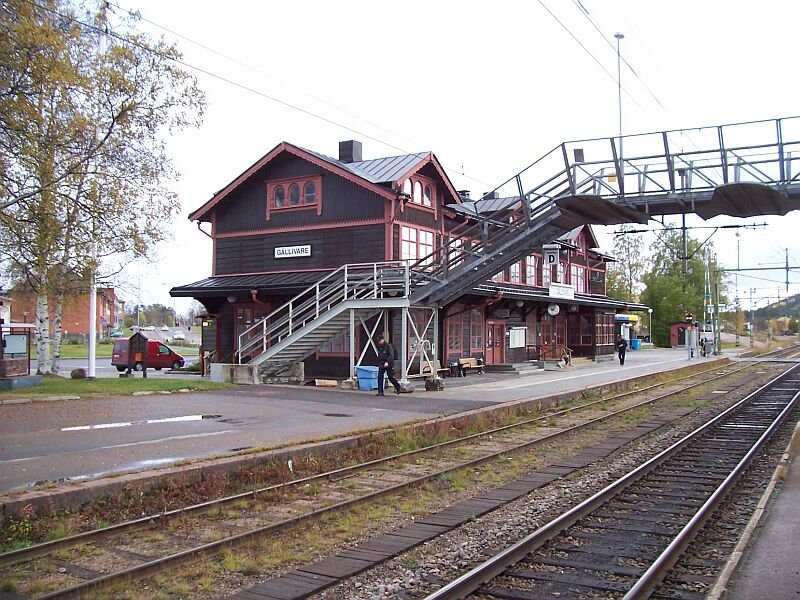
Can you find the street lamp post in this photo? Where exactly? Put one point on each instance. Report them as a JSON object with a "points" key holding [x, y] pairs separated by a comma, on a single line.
{"points": [[650, 326], [619, 36]]}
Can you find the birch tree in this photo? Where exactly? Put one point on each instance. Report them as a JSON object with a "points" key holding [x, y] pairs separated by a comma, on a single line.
{"points": [[624, 277], [85, 103]]}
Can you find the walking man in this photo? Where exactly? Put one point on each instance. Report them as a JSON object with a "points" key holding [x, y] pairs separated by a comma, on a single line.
{"points": [[622, 346], [386, 365]]}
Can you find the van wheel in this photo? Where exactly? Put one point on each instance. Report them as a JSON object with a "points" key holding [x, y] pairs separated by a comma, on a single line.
{"points": [[157, 368], [121, 369], [176, 365], [138, 366]]}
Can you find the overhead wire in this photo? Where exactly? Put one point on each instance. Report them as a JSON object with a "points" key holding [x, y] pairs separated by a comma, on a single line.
{"points": [[591, 55], [236, 61], [585, 12], [109, 32]]}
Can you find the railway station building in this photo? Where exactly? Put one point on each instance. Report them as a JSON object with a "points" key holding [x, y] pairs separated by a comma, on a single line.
{"points": [[313, 256]]}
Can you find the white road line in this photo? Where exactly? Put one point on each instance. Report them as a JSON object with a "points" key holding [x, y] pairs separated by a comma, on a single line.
{"points": [[158, 441]]}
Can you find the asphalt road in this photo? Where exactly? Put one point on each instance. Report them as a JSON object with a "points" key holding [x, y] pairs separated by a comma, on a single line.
{"points": [[103, 366]]}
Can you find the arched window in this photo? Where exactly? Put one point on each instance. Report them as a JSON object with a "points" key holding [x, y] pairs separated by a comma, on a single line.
{"points": [[426, 196], [417, 192], [294, 195], [407, 187], [309, 193], [299, 194]]}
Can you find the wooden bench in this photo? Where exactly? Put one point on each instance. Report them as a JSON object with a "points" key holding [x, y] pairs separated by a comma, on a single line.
{"points": [[426, 369], [468, 364]]}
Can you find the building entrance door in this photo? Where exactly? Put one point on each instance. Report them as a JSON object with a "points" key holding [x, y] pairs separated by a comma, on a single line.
{"points": [[246, 317], [495, 342]]}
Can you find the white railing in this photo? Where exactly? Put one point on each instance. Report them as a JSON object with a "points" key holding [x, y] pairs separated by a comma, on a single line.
{"points": [[362, 281]]}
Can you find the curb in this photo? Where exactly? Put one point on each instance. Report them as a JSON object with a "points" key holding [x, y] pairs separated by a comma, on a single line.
{"points": [[721, 586]]}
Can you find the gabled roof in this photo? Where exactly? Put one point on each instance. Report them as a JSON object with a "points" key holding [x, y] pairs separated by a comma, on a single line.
{"points": [[380, 170], [572, 235], [378, 175]]}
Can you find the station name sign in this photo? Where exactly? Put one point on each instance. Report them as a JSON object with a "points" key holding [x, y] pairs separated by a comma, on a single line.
{"points": [[562, 290], [292, 251]]}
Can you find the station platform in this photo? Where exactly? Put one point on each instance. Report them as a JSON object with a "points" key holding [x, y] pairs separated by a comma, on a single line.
{"points": [[766, 564]]}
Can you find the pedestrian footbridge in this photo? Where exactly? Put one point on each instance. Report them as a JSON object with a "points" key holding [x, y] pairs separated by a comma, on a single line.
{"points": [[739, 170]]}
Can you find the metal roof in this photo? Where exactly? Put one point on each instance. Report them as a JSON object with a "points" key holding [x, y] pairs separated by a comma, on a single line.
{"points": [[521, 292], [377, 170], [223, 284]]}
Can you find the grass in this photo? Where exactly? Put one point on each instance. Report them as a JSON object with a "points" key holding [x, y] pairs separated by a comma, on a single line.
{"points": [[60, 386]]}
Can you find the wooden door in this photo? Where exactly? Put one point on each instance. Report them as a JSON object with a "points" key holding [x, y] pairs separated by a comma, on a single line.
{"points": [[495, 342]]}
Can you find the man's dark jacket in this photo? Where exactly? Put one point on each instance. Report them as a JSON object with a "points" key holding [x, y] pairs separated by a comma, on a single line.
{"points": [[385, 354]]}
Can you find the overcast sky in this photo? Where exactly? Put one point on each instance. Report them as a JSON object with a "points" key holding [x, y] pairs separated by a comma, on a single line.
{"points": [[487, 86]]}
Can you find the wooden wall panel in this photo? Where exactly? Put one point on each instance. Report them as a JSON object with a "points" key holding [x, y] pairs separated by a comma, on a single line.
{"points": [[330, 249]]}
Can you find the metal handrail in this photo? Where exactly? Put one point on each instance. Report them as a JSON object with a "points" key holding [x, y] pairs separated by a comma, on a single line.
{"points": [[352, 281]]}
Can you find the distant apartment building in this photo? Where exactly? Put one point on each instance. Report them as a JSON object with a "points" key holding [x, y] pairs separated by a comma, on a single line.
{"points": [[75, 317]]}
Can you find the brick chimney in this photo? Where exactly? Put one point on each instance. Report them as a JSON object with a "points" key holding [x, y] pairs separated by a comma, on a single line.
{"points": [[350, 151]]}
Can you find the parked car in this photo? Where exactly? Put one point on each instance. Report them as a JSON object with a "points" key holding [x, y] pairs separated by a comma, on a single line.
{"points": [[164, 328], [178, 335], [116, 334], [159, 356], [150, 328]]}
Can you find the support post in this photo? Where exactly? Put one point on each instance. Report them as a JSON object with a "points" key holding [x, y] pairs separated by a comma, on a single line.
{"points": [[404, 345], [352, 344]]}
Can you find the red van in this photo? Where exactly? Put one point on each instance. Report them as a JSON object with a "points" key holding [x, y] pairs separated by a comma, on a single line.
{"points": [[159, 356]]}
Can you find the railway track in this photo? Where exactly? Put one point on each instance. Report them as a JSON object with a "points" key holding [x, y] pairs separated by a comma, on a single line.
{"points": [[97, 560], [623, 541]]}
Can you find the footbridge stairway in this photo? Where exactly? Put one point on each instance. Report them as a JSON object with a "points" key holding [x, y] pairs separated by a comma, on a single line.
{"points": [[741, 170]]}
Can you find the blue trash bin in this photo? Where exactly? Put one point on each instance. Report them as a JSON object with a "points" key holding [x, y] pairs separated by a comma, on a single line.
{"points": [[367, 378], [636, 344]]}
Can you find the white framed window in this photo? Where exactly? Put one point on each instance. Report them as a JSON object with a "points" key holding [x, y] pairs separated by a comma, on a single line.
{"points": [[515, 273], [416, 243], [530, 270], [577, 277], [425, 245], [408, 243]]}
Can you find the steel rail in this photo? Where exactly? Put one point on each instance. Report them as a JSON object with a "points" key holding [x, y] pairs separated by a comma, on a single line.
{"points": [[43, 549], [156, 565], [492, 568], [24, 554], [147, 568], [184, 556], [667, 559]]}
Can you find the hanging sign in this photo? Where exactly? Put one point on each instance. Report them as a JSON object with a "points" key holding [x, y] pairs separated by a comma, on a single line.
{"points": [[550, 252]]}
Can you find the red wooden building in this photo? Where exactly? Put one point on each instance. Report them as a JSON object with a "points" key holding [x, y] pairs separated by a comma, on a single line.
{"points": [[314, 255]]}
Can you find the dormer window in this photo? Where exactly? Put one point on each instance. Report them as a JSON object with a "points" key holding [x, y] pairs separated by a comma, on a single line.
{"points": [[421, 191], [294, 194]]}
